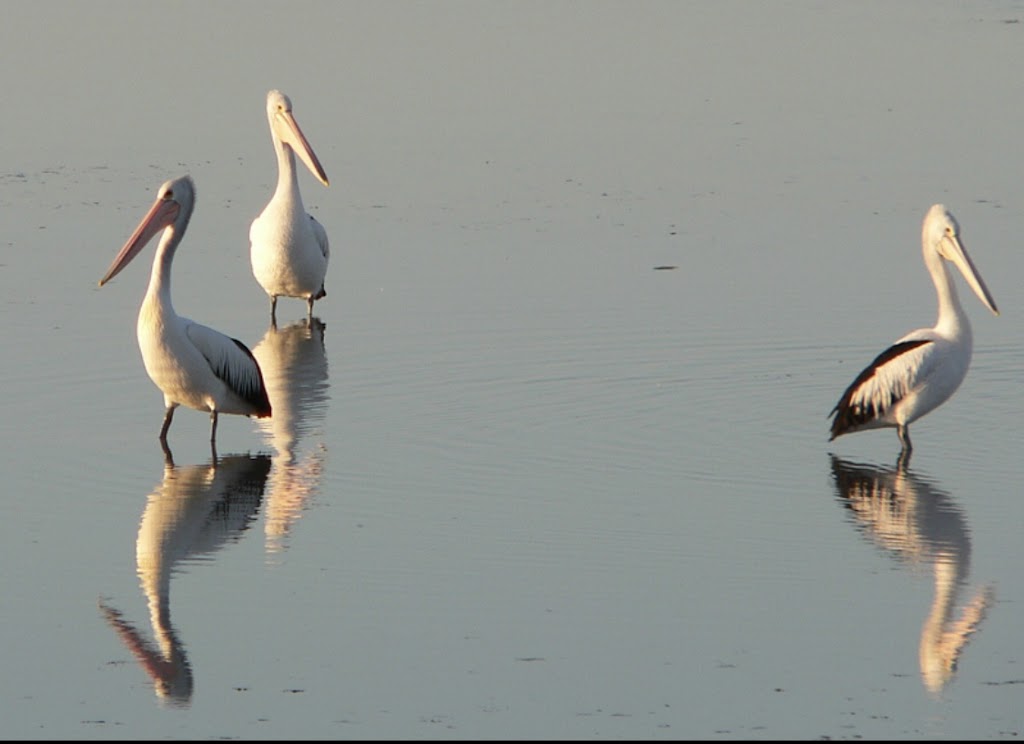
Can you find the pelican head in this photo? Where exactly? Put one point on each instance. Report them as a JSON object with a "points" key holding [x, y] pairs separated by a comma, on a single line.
{"points": [[941, 233], [171, 209], [286, 130]]}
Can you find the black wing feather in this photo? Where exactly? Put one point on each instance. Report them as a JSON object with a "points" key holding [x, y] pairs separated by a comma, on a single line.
{"points": [[848, 417]]}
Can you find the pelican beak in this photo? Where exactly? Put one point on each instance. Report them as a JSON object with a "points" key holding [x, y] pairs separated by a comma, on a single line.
{"points": [[292, 136], [958, 255], [162, 214]]}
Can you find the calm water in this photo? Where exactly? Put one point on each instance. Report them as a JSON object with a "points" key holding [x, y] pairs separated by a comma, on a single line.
{"points": [[522, 481]]}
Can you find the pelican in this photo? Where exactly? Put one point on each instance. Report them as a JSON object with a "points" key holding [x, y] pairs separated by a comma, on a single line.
{"points": [[192, 364], [288, 247], [923, 369]]}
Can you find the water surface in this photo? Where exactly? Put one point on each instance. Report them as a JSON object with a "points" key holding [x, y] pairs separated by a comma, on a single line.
{"points": [[552, 460]]}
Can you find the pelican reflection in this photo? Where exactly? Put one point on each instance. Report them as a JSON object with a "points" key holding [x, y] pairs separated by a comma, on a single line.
{"points": [[918, 523], [195, 511], [294, 363]]}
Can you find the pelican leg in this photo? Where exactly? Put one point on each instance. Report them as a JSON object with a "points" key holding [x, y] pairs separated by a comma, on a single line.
{"points": [[903, 430], [903, 461], [309, 311], [213, 435], [167, 423], [168, 455], [273, 310]]}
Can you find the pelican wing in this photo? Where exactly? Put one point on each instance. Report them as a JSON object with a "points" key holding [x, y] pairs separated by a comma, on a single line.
{"points": [[233, 363], [882, 384], [321, 236], [325, 248]]}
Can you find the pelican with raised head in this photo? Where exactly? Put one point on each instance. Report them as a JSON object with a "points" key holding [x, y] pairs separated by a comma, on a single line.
{"points": [[193, 365], [922, 370], [288, 247]]}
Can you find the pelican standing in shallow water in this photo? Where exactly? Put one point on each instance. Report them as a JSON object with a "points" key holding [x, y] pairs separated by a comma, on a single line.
{"points": [[193, 365], [288, 247], [923, 369]]}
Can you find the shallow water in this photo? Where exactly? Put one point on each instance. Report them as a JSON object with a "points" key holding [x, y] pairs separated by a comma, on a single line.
{"points": [[552, 460]]}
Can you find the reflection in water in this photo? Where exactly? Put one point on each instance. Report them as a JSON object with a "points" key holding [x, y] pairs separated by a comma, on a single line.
{"points": [[193, 512], [294, 364], [919, 523]]}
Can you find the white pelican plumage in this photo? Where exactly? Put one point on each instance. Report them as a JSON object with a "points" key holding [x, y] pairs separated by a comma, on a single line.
{"points": [[193, 365], [288, 247], [924, 368]]}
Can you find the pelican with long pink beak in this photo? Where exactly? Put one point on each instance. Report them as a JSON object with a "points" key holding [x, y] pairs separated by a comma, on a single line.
{"points": [[193, 365], [922, 370], [288, 247]]}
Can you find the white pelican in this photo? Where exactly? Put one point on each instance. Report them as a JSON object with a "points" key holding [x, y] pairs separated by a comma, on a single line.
{"points": [[288, 247], [193, 365], [924, 368]]}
